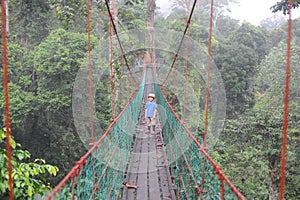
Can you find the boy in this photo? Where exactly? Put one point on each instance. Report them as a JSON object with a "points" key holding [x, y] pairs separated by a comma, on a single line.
{"points": [[150, 113]]}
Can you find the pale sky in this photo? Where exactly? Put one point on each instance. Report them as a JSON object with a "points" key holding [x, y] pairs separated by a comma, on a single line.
{"points": [[253, 11]]}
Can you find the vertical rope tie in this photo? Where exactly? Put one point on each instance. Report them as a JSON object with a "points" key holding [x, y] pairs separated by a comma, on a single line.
{"points": [[6, 100], [122, 78], [174, 84], [90, 73], [154, 61], [207, 89], [186, 71], [286, 104], [91, 86], [111, 71], [208, 75]]}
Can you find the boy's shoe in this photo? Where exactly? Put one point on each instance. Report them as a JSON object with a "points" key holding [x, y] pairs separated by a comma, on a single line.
{"points": [[147, 131], [152, 132]]}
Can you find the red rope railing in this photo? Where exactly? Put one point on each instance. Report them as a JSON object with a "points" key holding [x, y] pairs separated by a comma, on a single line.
{"points": [[6, 100], [286, 104]]}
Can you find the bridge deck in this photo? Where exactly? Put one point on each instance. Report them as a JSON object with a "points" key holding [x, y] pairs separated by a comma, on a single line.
{"points": [[148, 168]]}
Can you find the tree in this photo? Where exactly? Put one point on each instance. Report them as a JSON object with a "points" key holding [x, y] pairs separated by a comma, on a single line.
{"points": [[283, 6], [250, 146], [30, 21], [55, 63], [68, 11], [273, 22], [28, 177], [225, 27], [236, 59], [219, 7]]}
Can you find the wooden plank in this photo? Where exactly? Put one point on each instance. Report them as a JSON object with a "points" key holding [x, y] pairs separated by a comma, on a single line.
{"points": [[142, 180], [154, 187], [165, 179], [130, 193], [148, 167]]}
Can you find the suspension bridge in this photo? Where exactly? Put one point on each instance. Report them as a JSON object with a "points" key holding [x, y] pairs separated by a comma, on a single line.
{"points": [[170, 164], [129, 163]]}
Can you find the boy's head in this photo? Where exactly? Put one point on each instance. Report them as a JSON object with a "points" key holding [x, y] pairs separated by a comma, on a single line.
{"points": [[151, 96]]}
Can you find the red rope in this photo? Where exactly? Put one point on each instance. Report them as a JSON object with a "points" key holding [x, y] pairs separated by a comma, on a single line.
{"points": [[90, 72], [111, 73], [73, 188], [6, 100], [222, 192], [207, 87], [286, 104], [154, 60], [91, 82], [174, 84], [186, 73], [208, 74], [122, 77]]}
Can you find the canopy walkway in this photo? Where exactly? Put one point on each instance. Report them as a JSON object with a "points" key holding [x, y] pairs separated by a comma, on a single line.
{"points": [[127, 163]]}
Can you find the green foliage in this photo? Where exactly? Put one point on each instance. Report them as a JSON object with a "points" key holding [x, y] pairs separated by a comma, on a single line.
{"points": [[43, 72], [283, 6], [66, 11], [250, 147], [132, 15], [21, 101], [28, 177], [237, 58], [56, 62], [250, 151], [30, 21]]}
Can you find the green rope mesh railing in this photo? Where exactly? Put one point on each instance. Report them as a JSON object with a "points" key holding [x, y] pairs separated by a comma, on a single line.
{"points": [[194, 172], [100, 172]]}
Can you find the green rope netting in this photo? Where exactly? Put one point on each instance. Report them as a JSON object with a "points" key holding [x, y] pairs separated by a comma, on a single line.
{"points": [[102, 175], [194, 175]]}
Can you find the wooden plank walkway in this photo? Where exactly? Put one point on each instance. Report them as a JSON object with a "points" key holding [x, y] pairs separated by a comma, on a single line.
{"points": [[148, 168]]}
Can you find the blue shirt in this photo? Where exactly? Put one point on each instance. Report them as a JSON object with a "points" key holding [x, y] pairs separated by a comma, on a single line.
{"points": [[150, 106]]}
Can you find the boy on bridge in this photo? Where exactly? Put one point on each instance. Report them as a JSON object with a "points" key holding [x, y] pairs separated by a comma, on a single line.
{"points": [[150, 113]]}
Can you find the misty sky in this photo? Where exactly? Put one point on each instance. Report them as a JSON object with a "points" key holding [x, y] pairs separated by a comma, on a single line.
{"points": [[253, 11]]}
